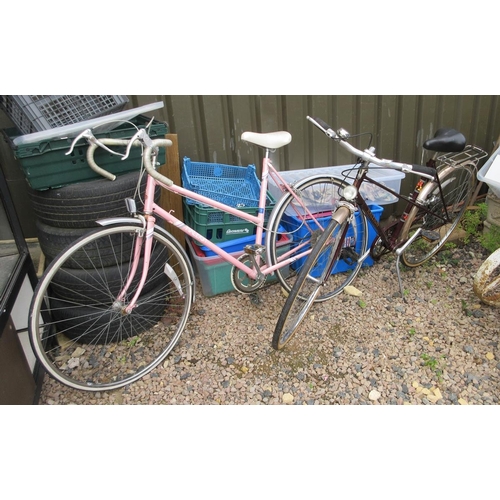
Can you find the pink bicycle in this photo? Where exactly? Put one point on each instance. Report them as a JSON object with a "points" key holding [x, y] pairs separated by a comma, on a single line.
{"points": [[112, 306]]}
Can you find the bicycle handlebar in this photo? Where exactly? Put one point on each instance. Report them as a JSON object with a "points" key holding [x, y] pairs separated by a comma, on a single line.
{"points": [[368, 155], [141, 138]]}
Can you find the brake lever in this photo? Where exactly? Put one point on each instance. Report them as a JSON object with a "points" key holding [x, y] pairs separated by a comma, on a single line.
{"points": [[91, 139], [142, 136], [86, 134]]}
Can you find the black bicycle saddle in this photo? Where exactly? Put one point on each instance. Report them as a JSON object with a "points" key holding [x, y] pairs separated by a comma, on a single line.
{"points": [[446, 140]]}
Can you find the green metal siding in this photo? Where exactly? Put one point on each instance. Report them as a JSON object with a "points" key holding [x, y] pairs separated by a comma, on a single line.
{"points": [[209, 127]]}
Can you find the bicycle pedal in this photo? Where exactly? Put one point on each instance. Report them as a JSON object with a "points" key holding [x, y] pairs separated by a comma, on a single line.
{"points": [[255, 299], [430, 235], [349, 256], [254, 249]]}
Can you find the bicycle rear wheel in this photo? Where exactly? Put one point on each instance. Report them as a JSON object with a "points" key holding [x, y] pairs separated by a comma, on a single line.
{"points": [[81, 333], [321, 195], [457, 185], [323, 275]]}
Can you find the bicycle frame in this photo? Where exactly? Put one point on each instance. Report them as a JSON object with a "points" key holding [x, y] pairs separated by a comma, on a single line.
{"points": [[149, 221], [391, 242]]}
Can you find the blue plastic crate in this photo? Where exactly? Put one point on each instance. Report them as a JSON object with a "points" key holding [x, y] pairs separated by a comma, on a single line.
{"points": [[234, 186], [298, 232], [236, 245]]}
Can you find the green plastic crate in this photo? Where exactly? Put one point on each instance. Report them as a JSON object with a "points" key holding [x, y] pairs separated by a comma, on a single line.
{"points": [[45, 164], [218, 226]]}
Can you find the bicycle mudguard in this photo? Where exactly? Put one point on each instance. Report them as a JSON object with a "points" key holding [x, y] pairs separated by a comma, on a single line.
{"points": [[119, 220], [430, 185]]}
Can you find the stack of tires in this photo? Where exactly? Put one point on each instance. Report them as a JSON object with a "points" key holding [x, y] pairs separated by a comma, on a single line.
{"points": [[66, 214]]}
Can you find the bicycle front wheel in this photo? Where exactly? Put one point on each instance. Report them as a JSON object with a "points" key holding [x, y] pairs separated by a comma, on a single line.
{"points": [[321, 275], [320, 194], [457, 187], [78, 326]]}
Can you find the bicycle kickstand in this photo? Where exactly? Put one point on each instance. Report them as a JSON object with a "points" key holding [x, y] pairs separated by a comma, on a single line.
{"points": [[399, 251]]}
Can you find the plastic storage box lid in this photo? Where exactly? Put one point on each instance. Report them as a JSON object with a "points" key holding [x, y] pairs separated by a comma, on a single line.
{"points": [[372, 194], [490, 173], [75, 128]]}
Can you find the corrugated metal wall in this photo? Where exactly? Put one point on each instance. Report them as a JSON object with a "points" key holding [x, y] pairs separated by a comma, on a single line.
{"points": [[209, 127]]}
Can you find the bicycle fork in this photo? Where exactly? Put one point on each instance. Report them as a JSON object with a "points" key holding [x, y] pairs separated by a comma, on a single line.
{"points": [[144, 238], [143, 245], [343, 213]]}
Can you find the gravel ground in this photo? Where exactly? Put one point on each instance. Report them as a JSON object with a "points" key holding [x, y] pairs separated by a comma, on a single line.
{"points": [[437, 346]]}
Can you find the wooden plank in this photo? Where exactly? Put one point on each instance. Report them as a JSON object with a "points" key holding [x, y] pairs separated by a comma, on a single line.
{"points": [[170, 201]]}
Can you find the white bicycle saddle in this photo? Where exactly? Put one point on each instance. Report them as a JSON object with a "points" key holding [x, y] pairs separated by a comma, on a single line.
{"points": [[270, 140]]}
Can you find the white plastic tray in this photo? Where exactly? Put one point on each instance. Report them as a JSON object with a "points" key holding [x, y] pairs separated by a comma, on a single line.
{"points": [[490, 173], [75, 128]]}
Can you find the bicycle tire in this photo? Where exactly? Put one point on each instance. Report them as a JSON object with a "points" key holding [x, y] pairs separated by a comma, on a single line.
{"points": [[308, 284], [319, 194], [458, 184], [107, 348]]}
